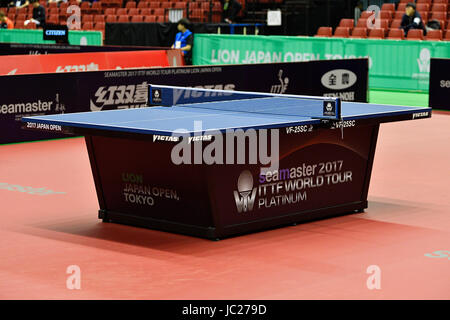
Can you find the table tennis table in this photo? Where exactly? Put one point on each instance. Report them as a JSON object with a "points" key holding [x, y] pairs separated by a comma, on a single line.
{"points": [[323, 167]]}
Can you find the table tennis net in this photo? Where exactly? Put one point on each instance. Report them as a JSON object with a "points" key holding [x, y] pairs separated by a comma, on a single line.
{"points": [[248, 102]]}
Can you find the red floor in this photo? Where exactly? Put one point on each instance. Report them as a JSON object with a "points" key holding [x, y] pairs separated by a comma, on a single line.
{"points": [[408, 217]]}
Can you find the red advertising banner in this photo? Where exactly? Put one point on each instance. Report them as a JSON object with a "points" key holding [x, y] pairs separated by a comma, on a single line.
{"points": [[72, 62]]}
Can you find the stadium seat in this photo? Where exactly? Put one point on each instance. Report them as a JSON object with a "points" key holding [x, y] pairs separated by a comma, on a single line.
{"points": [[123, 19], [388, 7], [167, 5], [196, 15], [95, 8], [110, 18], [441, 1], [53, 11], [396, 23], [423, 1], [359, 33], [110, 11], [415, 34], [401, 7], [130, 5], [137, 18], [88, 25], [434, 35], [30, 26], [52, 19], [150, 19], [376, 34], [183, 5], [349, 23], [154, 4], [324, 32], [85, 7], [145, 11], [143, 5], [205, 5], [362, 23], [396, 34], [342, 32], [21, 16], [158, 12], [122, 11], [439, 15], [439, 7], [447, 35], [99, 18], [422, 7], [87, 18], [133, 11], [385, 15], [99, 26], [52, 5], [366, 14], [398, 15]]}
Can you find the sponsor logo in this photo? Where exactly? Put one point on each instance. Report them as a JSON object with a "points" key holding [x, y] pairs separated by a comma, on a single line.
{"points": [[55, 32], [424, 60], [156, 96], [76, 68], [29, 190], [246, 194], [339, 79], [445, 83], [420, 115], [165, 138], [120, 97], [345, 96], [343, 124], [12, 72], [179, 94], [329, 108], [282, 87], [26, 107]]}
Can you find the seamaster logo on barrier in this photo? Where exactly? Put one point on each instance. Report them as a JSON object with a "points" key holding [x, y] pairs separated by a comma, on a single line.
{"points": [[246, 194]]}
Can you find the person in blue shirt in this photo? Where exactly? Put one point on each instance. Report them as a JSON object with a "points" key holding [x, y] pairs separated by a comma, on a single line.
{"points": [[184, 40]]}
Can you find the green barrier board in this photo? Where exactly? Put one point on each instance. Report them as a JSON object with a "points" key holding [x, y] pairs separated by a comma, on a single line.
{"points": [[393, 64], [93, 38]]}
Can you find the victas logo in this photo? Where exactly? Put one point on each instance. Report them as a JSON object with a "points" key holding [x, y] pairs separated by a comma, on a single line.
{"points": [[246, 194], [339, 79], [165, 138], [282, 87], [120, 97], [419, 115], [186, 96]]}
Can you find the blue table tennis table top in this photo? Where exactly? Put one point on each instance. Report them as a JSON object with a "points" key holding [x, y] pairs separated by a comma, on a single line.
{"points": [[166, 120]]}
